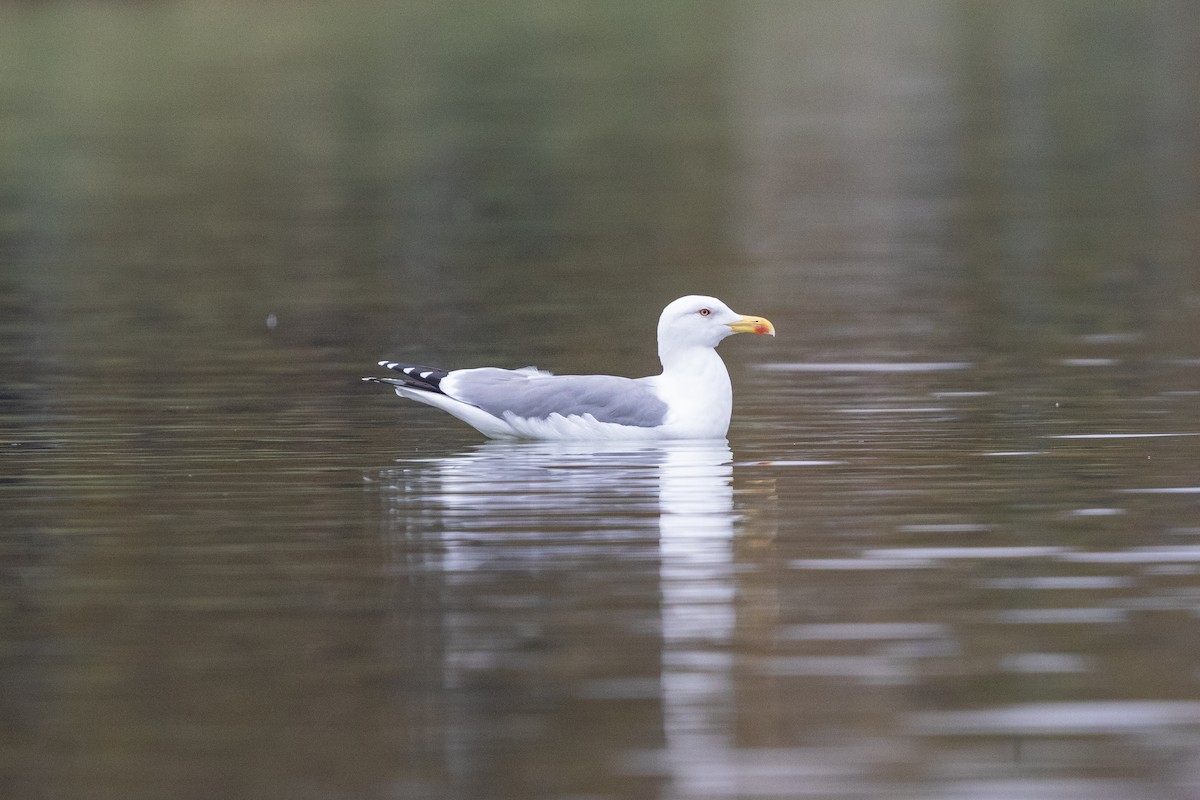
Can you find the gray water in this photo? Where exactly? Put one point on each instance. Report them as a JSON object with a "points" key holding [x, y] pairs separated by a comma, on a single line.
{"points": [[951, 548]]}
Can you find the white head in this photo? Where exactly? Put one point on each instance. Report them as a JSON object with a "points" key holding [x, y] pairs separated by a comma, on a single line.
{"points": [[700, 321]]}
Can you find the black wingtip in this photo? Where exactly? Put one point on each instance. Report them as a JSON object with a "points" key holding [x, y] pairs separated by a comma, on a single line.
{"points": [[415, 375]]}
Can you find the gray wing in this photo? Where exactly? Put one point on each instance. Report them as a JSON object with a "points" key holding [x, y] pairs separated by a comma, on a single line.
{"points": [[536, 395]]}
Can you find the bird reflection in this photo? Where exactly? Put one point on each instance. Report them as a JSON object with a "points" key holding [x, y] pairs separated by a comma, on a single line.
{"points": [[509, 529], [697, 585]]}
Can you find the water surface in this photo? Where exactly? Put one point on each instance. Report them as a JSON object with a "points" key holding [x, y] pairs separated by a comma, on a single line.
{"points": [[951, 548]]}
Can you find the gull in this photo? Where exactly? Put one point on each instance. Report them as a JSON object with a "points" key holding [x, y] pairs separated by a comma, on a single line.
{"points": [[691, 399]]}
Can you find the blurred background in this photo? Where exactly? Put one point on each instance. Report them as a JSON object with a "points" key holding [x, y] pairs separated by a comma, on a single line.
{"points": [[229, 569]]}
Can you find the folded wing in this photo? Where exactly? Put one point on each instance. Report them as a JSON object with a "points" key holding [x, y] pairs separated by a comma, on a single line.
{"points": [[530, 394]]}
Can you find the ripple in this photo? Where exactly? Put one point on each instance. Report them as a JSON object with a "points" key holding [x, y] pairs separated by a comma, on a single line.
{"points": [[1061, 719], [1119, 436], [948, 527], [874, 669], [630, 688], [1044, 663], [1089, 362], [895, 410], [1110, 338], [857, 631], [1137, 555], [1025, 788], [941, 553], [854, 564], [795, 463], [866, 366], [1058, 582], [1061, 616]]}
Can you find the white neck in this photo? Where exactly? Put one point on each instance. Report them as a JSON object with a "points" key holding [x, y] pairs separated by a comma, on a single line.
{"points": [[688, 358], [696, 385]]}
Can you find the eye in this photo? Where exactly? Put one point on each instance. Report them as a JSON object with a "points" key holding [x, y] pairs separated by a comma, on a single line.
{"points": [[704, 312]]}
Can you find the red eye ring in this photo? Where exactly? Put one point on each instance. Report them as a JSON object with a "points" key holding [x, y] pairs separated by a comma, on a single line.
{"points": [[704, 312]]}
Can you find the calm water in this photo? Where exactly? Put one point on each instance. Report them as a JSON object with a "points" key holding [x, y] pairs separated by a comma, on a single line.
{"points": [[950, 550]]}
